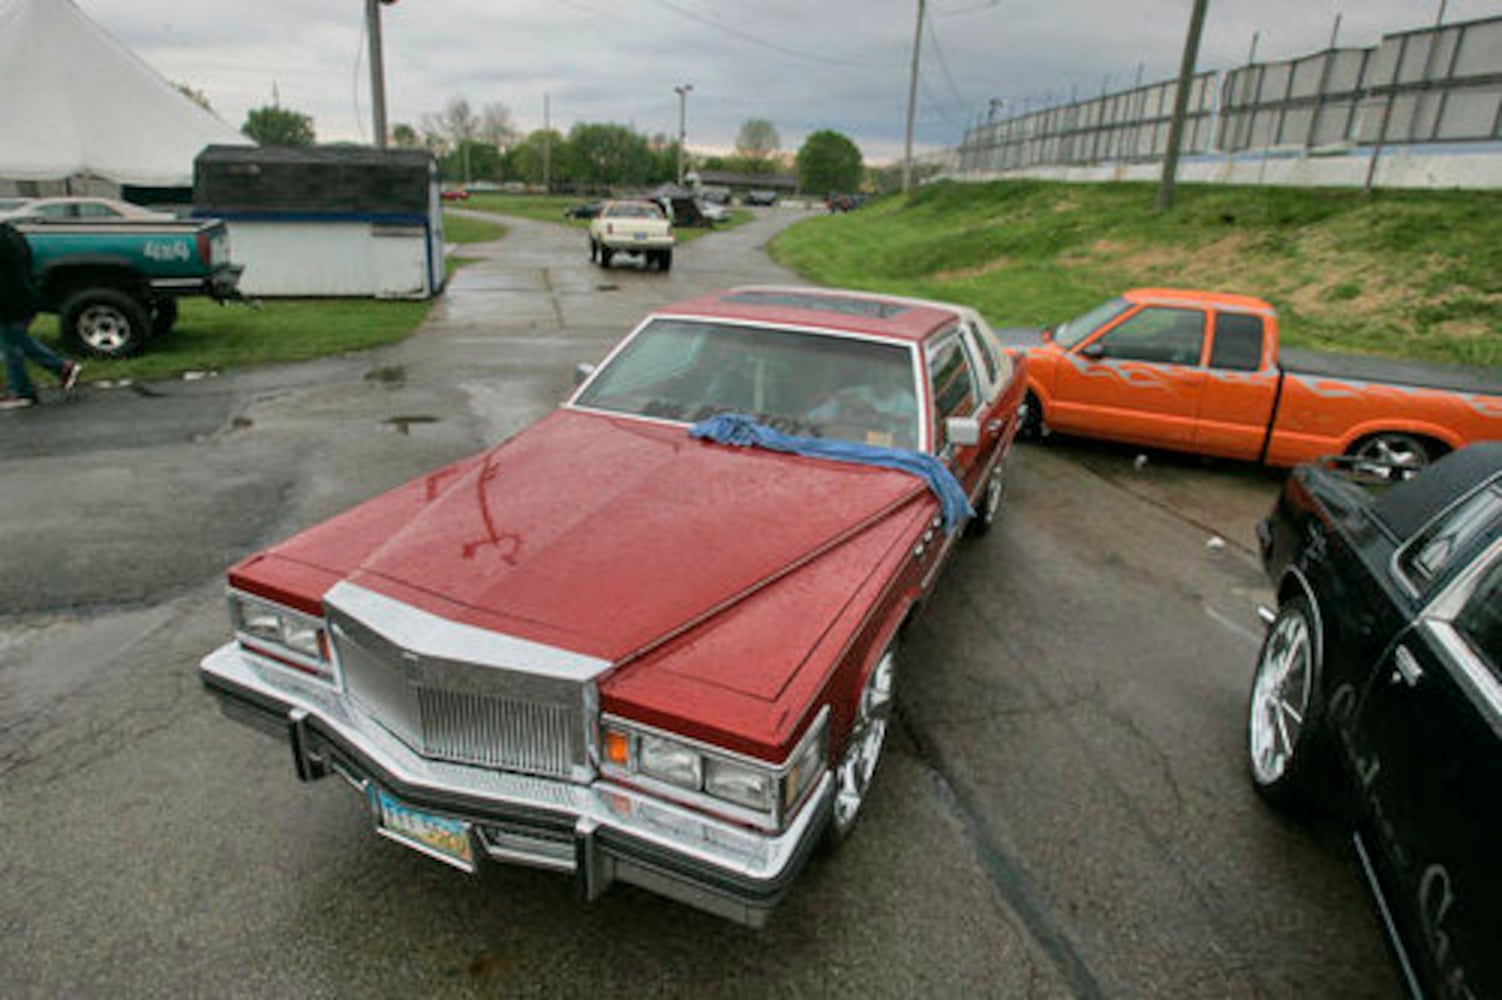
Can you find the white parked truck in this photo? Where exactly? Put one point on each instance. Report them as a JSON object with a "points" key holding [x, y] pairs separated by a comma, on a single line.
{"points": [[636, 227]]}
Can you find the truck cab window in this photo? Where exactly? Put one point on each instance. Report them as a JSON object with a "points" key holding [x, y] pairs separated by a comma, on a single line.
{"points": [[1238, 342], [1157, 334]]}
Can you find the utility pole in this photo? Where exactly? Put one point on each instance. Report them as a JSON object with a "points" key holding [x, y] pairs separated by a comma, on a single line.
{"points": [[377, 70], [682, 90], [547, 148], [912, 103], [1181, 105]]}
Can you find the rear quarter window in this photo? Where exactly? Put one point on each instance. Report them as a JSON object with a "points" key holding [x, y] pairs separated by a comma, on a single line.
{"points": [[1238, 342]]}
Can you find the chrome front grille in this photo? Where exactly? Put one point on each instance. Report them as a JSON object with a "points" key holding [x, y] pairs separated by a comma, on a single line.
{"points": [[495, 732], [451, 709]]}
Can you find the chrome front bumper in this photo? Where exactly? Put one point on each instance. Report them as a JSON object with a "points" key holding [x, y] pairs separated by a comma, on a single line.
{"points": [[600, 832]]}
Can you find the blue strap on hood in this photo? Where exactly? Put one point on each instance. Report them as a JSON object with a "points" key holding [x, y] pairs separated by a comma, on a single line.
{"points": [[743, 431]]}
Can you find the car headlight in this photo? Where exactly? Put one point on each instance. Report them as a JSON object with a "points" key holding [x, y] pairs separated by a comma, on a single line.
{"points": [[742, 788], [290, 637]]}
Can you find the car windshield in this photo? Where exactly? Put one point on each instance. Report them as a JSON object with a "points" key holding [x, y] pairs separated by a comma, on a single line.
{"points": [[804, 383], [1077, 329]]}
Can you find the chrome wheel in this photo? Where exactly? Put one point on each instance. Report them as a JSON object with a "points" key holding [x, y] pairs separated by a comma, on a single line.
{"points": [[104, 329], [1403, 453], [1281, 696], [863, 749]]}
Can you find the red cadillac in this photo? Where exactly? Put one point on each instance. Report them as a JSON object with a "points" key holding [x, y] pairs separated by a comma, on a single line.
{"points": [[627, 652]]}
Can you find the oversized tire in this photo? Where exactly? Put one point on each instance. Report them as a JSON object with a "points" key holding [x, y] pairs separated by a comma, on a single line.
{"points": [[868, 730], [104, 323], [163, 314], [1287, 743], [1396, 453], [665, 261]]}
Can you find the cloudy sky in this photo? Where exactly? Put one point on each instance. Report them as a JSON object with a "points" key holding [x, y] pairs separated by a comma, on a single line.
{"points": [[802, 64]]}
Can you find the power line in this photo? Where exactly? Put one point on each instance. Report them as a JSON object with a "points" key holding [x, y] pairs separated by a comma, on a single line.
{"points": [[933, 36], [746, 36]]}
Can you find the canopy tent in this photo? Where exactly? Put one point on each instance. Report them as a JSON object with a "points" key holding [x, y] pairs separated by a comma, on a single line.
{"points": [[74, 101]]}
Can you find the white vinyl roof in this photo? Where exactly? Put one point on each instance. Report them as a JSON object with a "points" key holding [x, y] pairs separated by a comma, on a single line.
{"points": [[74, 101]]}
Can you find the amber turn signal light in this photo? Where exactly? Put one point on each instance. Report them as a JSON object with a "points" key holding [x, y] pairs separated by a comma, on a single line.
{"points": [[617, 747]]}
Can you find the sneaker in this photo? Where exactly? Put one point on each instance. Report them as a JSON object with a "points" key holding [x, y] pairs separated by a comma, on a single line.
{"points": [[69, 374], [17, 402]]}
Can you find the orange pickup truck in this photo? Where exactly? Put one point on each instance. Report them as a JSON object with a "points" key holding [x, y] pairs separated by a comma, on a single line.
{"points": [[1202, 372]]}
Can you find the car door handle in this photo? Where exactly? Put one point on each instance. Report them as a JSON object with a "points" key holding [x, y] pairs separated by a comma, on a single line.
{"points": [[1406, 668], [994, 426]]}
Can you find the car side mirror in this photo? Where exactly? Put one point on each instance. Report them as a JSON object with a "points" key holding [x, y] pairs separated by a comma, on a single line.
{"points": [[1093, 351], [962, 431], [582, 371]]}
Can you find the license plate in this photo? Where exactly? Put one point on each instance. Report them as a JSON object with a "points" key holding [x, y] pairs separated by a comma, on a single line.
{"points": [[639, 237], [439, 837]]}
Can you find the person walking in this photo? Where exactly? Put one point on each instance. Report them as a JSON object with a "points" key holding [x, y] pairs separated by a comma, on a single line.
{"points": [[19, 303]]}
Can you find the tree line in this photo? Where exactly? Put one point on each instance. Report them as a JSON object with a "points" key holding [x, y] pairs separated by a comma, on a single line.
{"points": [[484, 145]]}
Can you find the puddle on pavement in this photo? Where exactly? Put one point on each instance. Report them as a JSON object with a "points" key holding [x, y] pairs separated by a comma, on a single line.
{"points": [[404, 424], [607, 288], [389, 375]]}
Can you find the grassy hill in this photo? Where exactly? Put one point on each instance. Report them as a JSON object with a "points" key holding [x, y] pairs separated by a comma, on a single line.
{"points": [[1403, 273]]}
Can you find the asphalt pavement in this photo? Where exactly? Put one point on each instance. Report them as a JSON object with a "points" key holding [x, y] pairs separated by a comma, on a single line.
{"points": [[1062, 810]]}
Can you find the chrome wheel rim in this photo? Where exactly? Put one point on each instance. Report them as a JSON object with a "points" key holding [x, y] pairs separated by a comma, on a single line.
{"points": [[864, 747], [1395, 450], [1280, 697], [104, 329], [993, 495]]}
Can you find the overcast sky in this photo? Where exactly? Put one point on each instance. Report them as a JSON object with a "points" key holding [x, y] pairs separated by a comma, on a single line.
{"points": [[802, 64]]}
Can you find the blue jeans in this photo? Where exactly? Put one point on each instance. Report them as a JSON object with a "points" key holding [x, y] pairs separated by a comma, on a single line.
{"points": [[18, 345]]}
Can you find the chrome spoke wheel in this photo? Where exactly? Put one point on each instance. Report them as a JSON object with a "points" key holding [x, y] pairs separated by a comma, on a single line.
{"points": [[1280, 696], [867, 734], [1399, 455]]}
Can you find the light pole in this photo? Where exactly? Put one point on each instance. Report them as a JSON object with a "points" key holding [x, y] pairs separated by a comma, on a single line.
{"points": [[682, 90], [377, 70], [912, 104]]}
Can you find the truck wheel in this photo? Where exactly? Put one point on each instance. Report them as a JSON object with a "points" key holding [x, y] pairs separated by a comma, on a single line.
{"points": [[665, 261], [1403, 454], [1033, 428], [104, 323], [605, 254], [594, 251], [163, 315], [868, 731]]}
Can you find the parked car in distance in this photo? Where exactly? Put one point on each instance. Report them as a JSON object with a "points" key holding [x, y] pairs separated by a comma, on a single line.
{"points": [[842, 202], [715, 194], [616, 649], [1204, 372], [585, 210], [760, 196], [81, 208], [1380, 682], [114, 283], [632, 227], [714, 211], [454, 194]]}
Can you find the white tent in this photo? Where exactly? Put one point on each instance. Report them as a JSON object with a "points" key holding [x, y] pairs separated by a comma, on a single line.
{"points": [[74, 101]]}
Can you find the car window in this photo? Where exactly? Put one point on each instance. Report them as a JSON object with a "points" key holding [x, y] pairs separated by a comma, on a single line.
{"points": [[1157, 334], [64, 211], [633, 211], [954, 391], [986, 350], [1238, 342], [1480, 621], [94, 210], [1424, 559]]}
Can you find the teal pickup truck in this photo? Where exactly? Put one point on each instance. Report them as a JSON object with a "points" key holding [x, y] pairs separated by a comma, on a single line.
{"points": [[114, 285]]}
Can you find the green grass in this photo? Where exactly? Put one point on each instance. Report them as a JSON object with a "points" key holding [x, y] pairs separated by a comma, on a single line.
{"points": [[209, 337], [1404, 273], [467, 229]]}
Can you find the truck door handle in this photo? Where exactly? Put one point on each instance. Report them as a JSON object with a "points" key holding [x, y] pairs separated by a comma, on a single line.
{"points": [[1406, 668]]}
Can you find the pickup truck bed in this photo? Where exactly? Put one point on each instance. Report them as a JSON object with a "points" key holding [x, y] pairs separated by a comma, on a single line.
{"points": [[1366, 368], [115, 284]]}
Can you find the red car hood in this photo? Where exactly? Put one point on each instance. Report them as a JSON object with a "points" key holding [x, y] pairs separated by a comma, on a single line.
{"points": [[604, 535]]}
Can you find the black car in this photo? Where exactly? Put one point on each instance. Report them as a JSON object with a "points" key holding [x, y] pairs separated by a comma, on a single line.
{"points": [[587, 210], [1379, 690]]}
